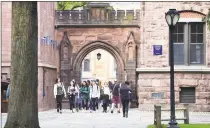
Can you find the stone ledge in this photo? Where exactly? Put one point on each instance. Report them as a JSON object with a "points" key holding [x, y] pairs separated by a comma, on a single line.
{"points": [[57, 26], [39, 65], [176, 69], [46, 65]]}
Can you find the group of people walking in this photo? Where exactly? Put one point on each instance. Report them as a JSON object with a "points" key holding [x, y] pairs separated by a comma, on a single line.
{"points": [[91, 93]]}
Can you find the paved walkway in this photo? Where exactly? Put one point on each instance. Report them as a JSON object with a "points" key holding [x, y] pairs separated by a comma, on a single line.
{"points": [[136, 119]]}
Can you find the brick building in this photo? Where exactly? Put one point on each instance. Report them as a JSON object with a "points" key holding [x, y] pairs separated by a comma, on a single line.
{"points": [[129, 36], [192, 73], [47, 53]]}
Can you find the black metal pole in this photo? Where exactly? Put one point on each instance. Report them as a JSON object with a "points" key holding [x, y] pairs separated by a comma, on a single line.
{"points": [[172, 123]]}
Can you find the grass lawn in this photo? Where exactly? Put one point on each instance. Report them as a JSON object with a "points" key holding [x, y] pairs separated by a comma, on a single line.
{"points": [[185, 126]]}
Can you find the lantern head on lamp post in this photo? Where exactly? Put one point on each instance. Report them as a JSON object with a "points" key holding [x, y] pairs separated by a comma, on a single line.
{"points": [[172, 17], [99, 56]]}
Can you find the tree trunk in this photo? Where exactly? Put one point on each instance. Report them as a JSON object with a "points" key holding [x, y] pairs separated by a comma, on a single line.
{"points": [[23, 106]]}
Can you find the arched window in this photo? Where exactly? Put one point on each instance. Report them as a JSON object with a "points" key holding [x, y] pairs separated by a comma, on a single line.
{"points": [[86, 65], [189, 39]]}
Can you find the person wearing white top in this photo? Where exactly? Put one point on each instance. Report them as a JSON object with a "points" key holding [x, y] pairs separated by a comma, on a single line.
{"points": [[78, 100], [94, 94], [71, 94], [106, 97], [59, 92]]}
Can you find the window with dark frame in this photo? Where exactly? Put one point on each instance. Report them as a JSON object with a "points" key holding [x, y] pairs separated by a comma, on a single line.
{"points": [[178, 41], [196, 44], [188, 40], [86, 65], [187, 95]]}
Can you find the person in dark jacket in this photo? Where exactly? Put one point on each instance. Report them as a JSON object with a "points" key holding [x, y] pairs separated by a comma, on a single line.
{"points": [[115, 95], [125, 92]]}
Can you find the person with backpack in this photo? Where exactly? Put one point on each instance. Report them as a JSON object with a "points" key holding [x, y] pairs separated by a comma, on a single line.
{"points": [[115, 96], [94, 94], [125, 96], [59, 93]]}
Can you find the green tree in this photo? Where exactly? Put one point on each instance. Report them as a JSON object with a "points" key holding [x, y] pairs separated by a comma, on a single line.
{"points": [[64, 5], [23, 106]]}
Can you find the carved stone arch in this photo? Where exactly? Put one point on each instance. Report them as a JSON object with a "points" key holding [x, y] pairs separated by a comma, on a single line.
{"points": [[115, 52], [65, 55], [191, 14]]}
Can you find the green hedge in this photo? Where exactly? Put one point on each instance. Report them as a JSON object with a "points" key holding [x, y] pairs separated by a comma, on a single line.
{"points": [[185, 126]]}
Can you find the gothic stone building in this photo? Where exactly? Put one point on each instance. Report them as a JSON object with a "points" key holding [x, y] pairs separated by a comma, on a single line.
{"points": [[130, 36]]}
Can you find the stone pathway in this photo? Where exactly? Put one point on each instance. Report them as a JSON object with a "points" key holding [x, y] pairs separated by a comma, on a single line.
{"points": [[136, 119]]}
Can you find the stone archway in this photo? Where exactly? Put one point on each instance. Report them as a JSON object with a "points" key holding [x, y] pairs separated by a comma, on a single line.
{"points": [[93, 45]]}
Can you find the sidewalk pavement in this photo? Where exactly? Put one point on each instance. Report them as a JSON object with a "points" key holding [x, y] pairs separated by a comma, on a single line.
{"points": [[85, 119]]}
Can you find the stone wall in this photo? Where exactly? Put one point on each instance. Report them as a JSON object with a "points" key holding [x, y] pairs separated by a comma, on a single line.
{"points": [[81, 36], [154, 30], [160, 82], [6, 12], [153, 71], [114, 36], [46, 78], [47, 54]]}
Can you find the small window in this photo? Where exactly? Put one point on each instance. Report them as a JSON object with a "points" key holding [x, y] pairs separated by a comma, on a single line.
{"points": [[86, 65], [187, 95]]}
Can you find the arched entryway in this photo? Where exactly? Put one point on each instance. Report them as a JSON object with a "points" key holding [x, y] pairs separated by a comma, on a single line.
{"points": [[73, 53], [76, 67]]}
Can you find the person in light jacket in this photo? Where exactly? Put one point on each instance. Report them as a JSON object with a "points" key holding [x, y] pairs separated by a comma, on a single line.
{"points": [[59, 93], [106, 97], [94, 94], [71, 94], [78, 100]]}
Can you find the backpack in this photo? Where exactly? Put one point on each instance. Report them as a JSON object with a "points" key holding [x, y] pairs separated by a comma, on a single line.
{"points": [[101, 91], [118, 88], [62, 95]]}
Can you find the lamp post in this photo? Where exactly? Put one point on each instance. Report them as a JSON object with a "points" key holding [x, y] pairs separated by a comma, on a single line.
{"points": [[99, 56], [172, 17]]}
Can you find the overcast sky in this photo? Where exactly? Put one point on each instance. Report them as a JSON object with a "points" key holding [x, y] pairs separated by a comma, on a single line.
{"points": [[121, 5]]}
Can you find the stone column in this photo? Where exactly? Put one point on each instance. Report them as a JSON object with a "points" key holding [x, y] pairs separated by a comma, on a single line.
{"points": [[130, 70]]}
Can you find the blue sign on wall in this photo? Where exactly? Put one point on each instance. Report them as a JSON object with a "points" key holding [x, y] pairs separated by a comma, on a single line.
{"points": [[157, 49]]}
